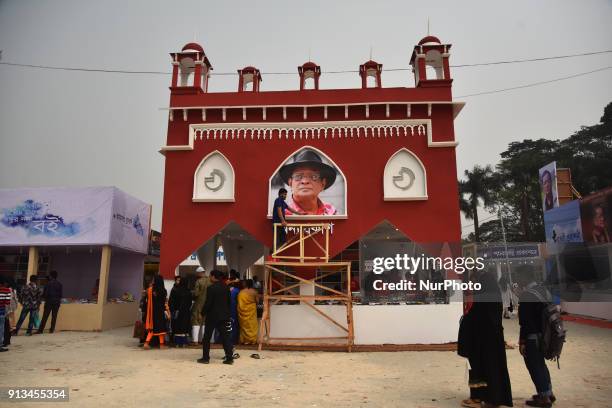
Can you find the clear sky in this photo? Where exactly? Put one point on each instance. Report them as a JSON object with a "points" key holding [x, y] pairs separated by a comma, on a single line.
{"points": [[67, 128]]}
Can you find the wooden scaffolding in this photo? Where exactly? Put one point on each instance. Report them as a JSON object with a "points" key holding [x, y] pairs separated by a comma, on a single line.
{"points": [[285, 263]]}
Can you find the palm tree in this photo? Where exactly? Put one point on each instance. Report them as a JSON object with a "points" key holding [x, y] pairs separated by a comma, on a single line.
{"points": [[474, 189]]}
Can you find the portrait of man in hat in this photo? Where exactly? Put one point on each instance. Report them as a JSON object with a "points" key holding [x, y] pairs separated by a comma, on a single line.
{"points": [[307, 175]]}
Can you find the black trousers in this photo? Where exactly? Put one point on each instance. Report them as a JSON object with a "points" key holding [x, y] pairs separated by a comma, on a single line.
{"points": [[53, 309], [224, 327], [281, 236], [7, 332], [536, 365]]}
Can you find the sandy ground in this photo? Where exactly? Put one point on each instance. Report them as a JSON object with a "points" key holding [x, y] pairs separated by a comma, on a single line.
{"points": [[109, 370]]}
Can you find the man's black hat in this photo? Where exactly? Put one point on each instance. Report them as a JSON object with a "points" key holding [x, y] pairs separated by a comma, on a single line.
{"points": [[308, 158]]}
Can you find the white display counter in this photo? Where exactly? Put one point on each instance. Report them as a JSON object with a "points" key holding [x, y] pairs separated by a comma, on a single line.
{"points": [[374, 324]]}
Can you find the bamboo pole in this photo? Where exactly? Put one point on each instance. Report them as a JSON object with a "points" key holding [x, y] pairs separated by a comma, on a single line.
{"points": [[309, 338], [338, 346], [104, 274], [325, 264], [302, 243], [349, 311], [325, 315], [262, 323], [32, 263], [320, 247], [307, 297], [326, 244], [306, 281], [297, 284], [286, 292], [268, 324], [291, 242]]}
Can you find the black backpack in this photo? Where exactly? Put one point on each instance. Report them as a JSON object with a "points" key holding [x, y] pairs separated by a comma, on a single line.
{"points": [[553, 331]]}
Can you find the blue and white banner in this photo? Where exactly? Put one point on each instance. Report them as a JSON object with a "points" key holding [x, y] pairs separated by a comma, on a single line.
{"points": [[510, 251], [73, 216], [562, 225], [130, 222]]}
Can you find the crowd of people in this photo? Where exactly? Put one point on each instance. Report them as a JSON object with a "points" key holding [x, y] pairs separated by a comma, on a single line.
{"points": [[221, 307], [30, 297], [481, 341]]}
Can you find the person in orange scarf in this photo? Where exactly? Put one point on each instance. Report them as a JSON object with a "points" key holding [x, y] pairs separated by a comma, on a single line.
{"points": [[247, 313], [155, 323]]}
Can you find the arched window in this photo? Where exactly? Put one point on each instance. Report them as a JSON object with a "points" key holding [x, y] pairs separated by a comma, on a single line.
{"points": [[214, 179], [187, 69], [433, 65], [404, 177], [309, 82]]}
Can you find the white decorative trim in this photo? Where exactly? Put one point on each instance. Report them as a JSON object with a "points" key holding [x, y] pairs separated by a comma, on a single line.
{"points": [[429, 110], [204, 115], [367, 111], [409, 110], [312, 217], [346, 111], [171, 115], [185, 115], [284, 113], [457, 106], [243, 113], [325, 112], [264, 113], [224, 114], [175, 148], [213, 200], [305, 113], [312, 130], [387, 110], [420, 198]]}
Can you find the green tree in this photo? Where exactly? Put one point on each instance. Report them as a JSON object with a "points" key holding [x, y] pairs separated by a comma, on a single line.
{"points": [[476, 188], [491, 230], [588, 154], [518, 186]]}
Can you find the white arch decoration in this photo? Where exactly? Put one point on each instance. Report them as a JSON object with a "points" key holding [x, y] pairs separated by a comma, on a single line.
{"points": [[273, 194], [214, 179], [404, 177], [433, 59]]}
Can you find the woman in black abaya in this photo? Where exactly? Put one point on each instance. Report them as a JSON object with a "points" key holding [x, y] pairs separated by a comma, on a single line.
{"points": [[180, 307], [489, 379]]}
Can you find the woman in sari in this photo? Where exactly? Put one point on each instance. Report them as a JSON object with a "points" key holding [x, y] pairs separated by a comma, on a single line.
{"points": [[247, 313], [155, 323]]}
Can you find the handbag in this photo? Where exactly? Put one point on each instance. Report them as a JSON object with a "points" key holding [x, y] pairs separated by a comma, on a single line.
{"points": [[464, 337], [138, 329]]}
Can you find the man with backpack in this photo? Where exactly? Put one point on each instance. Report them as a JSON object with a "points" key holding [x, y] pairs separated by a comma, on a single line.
{"points": [[541, 335]]}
